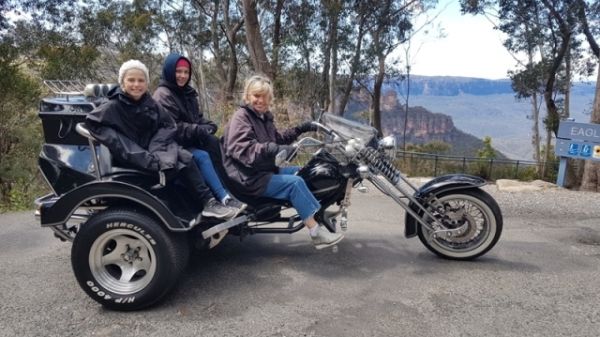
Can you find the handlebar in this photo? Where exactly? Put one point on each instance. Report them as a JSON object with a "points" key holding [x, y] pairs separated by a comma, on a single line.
{"points": [[324, 128]]}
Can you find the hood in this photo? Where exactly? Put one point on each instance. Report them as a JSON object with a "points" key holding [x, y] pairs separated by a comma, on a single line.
{"points": [[168, 72]]}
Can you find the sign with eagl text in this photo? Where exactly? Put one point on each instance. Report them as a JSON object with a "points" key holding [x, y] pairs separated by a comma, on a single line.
{"points": [[578, 140]]}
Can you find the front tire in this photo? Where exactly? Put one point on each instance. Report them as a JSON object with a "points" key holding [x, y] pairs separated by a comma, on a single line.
{"points": [[475, 215], [125, 260]]}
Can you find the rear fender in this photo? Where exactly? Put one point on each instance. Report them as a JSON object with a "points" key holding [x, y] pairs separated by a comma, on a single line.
{"points": [[434, 187], [58, 210]]}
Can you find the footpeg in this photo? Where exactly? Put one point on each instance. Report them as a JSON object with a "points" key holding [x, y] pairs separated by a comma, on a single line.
{"points": [[217, 238]]}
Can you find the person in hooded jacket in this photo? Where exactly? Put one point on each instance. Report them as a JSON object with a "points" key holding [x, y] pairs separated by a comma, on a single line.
{"points": [[194, 132], [251, 142], [140, 134]]}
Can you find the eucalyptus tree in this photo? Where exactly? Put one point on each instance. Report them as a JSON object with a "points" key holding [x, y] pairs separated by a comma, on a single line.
{"points": [[545, 32], [525, 25], [588, 14], [19, 125], [225, 22], [389, 27], [356, 67]]}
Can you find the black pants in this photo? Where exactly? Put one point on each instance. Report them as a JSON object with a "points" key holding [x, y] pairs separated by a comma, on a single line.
{"points": [[195, 184]]}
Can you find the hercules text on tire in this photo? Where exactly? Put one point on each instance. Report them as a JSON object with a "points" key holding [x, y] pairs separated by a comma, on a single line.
{"points": [[125, 260]]}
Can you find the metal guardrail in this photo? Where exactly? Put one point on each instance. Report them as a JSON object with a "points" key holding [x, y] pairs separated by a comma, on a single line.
{"points": [[427, 164]]}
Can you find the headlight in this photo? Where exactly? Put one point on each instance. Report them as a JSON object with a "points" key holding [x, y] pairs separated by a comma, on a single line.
{"points": [[389, 145]]}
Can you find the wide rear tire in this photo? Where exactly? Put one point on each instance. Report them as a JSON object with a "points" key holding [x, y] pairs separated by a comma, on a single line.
{"points": [[479, 217], [125, 260]]}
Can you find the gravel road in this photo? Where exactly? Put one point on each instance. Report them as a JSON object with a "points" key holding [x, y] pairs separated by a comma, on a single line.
{"points": [[541, 279]]}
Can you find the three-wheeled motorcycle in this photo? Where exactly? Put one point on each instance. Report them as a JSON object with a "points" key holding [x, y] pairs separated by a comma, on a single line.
{"points": [[131, 233]]}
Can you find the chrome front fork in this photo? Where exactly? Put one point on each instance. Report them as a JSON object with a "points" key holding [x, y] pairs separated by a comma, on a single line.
{"points": [[435, 227]]}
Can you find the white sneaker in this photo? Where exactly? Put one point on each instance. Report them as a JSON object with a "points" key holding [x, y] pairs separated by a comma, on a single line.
{"points": [[324, 238]]}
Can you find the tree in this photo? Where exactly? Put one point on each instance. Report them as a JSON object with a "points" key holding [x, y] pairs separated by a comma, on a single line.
{"points": [[226, 22], [551, 28], [363, 12], [254, 40], [390, 27], [591, 171], [19, 127]]}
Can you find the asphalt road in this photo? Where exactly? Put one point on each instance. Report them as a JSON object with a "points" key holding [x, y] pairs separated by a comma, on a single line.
{"points": [[541, 279]]}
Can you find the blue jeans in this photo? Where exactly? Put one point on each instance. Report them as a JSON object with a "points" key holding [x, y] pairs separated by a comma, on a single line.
{"points": [[202, 159], [288, 186]]}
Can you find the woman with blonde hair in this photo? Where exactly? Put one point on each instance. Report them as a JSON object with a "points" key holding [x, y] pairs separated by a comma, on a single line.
{"points": [[251, 141]]}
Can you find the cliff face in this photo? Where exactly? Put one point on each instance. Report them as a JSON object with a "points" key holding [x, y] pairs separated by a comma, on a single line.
{"points": [[422, 126]]}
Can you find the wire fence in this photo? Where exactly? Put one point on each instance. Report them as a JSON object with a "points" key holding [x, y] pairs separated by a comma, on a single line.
{"points": [[433, 165]]}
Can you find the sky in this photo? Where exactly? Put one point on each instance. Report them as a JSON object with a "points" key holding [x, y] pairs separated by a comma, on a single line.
{"points": [[471, 47]]}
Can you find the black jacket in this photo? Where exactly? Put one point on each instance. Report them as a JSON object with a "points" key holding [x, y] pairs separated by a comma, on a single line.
{"points": [[137, 133], [182, 104]]}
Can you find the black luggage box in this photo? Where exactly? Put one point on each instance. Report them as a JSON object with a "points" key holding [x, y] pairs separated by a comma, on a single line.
{"points": [[59, 117]]}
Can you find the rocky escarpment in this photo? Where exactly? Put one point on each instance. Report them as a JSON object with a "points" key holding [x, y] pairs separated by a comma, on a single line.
{"points": [[422, 126]]}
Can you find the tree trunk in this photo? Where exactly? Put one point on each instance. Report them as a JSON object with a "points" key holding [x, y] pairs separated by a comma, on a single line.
{"points": [[535, 138], [353, 68], [332, 8], [377, 86], [567, 111], [276, 37], [254, 40], [591, 170], [334, 65], [324, 93], [232, 64]]}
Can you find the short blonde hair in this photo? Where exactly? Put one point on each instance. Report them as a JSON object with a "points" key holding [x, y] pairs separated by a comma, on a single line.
{"points": [[257, 84]]}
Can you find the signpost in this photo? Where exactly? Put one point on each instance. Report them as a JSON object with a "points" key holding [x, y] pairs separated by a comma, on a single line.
{"points": [[576, 140]]}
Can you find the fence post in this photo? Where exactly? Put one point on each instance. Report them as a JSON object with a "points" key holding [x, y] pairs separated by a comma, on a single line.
{"points": [[517, 170], [435, 166], [491, 166], [464, 165]]}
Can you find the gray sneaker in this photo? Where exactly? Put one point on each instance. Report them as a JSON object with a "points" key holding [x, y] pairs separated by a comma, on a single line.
{"points": [[324, 238], [234, 203], [215, 209]]}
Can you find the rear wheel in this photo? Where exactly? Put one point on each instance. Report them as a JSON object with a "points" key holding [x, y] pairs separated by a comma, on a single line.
{"points": [[125, 260], [474, 221]]}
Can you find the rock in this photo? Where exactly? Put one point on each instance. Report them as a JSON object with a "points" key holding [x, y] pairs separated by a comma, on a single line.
{"points": [[511, 185]]}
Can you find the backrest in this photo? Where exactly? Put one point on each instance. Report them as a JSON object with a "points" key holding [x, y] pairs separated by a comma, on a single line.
{"points": [[102, 156]]}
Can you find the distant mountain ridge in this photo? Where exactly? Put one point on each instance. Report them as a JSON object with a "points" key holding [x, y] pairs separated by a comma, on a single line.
{"points": [[454, 86], [422, 126], [483, 107]]}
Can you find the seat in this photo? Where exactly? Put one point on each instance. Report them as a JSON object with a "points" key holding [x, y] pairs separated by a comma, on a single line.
{"points": [[103, 158]]}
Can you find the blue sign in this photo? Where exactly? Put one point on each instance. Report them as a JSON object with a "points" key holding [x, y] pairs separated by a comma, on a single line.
{"points": [[586, 150], [587, 132], [576, 140], [573, 149]]}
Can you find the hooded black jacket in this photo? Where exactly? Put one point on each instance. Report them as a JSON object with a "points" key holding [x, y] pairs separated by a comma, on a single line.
{"points": [[137, 133], [182, 104]]}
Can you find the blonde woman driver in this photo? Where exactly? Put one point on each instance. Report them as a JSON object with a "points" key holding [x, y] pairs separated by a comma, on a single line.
{"points": [[251, 143]]}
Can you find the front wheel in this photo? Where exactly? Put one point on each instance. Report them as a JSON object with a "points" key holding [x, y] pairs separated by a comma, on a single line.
{"points": [[474, 220], [125, 260]]}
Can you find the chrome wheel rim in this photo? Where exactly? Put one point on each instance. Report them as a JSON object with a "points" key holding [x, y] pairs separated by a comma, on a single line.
{"points": [[475, 221], [122, 261]]}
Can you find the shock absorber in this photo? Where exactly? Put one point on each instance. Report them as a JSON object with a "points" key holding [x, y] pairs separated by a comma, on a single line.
{"points": [[380, 163]]}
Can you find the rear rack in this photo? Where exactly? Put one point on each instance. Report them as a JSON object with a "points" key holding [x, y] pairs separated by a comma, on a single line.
{"points": [[68, 88]]}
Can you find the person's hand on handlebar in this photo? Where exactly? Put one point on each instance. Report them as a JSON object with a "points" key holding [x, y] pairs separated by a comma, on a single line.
{"points": [[306, 127]]}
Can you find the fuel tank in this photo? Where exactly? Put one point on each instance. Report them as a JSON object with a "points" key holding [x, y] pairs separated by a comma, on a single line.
{"points": [[324, 176]]}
